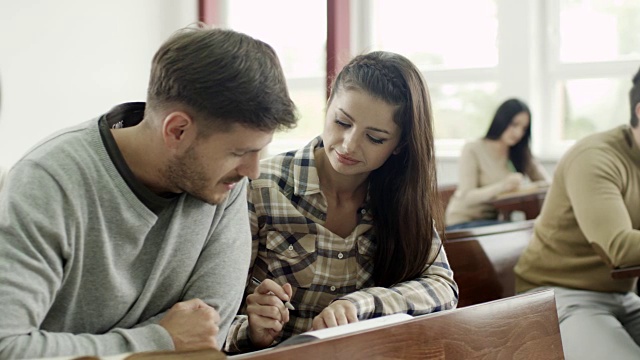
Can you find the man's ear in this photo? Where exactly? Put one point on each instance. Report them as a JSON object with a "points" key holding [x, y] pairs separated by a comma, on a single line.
{"points": [[178, 130], [638, 111]]}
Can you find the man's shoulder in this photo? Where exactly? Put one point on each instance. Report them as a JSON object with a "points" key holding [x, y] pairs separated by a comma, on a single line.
{"points": [[58, 145], [604, 143], [70, 156]]}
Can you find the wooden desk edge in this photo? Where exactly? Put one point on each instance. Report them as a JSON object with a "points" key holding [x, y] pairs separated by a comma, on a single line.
{"points": [[540, 298]]}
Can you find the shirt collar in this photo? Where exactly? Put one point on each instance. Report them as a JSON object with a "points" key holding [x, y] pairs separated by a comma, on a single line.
{"points": [[306, 180]]}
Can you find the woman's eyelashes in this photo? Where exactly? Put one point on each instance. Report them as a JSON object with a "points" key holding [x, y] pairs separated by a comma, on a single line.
{"points": [[343, 124], [371, 138], [376, 140]]}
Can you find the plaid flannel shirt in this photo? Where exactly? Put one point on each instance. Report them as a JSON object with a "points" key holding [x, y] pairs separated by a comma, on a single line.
{"points": [[290, 245]]}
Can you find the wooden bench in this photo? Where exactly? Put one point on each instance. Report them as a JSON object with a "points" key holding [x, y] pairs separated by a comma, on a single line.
{"points": [[520, 327], [483, 258]]}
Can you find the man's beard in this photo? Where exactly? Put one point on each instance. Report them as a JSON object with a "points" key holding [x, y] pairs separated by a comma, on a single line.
{"points": [[183, 172]]}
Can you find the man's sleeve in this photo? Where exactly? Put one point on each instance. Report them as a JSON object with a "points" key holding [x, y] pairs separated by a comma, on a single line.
{"points": [[238, 337], [36, 216], [595, 183], [220, 275]]}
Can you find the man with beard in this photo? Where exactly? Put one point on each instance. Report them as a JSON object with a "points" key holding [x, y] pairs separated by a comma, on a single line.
{"points": [[130, 232]]}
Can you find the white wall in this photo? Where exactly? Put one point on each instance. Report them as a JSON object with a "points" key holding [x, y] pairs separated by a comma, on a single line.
{"points": [[66, 61]]}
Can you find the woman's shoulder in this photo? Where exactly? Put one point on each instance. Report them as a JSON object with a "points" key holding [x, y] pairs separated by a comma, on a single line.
{"points": [[475, 146]]}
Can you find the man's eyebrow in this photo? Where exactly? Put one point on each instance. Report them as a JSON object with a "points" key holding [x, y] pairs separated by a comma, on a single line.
{"points": [[368, 128]]}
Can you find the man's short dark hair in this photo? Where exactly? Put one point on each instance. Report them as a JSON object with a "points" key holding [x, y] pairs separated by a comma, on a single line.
{"points": [[225, 77]]}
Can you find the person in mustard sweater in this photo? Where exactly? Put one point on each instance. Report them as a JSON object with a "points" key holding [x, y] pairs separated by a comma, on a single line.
{"points": [[493, 165], [591, 217]]}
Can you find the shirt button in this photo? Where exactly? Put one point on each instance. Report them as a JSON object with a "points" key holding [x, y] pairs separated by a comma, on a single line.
{"points": [[363, 211], [452, 302], [333, 288], [290, 247], [340, 256]]}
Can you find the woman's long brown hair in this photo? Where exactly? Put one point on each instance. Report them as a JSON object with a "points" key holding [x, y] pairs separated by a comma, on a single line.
{"points": [[403, 194]]}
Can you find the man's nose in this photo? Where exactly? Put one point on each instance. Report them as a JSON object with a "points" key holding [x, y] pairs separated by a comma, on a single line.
{"points": [[250, 167]]}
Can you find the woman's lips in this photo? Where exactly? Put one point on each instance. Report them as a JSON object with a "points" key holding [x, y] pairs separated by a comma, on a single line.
{"points": [[344, 159]]}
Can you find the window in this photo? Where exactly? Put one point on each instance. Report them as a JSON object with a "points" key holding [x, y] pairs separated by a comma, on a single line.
{"points": [[457, 51], [570, 60], [596, 53], [297, 30]]}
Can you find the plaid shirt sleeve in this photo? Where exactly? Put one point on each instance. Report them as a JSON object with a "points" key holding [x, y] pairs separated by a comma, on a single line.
{"points": [[435, 290], [238, 336]]}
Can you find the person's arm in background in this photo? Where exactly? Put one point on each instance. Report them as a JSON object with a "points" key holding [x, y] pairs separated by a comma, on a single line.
{"points": [[434, 291], [594, 186], [469, 190], [536, 172]]}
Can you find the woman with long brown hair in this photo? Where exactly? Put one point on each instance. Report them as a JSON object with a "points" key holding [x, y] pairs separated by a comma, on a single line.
{"points": [[346, 227]]}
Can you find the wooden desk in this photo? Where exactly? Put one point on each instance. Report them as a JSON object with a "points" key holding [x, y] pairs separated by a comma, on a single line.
{"points": [[483, 258], [528, 201], [519, 327]]}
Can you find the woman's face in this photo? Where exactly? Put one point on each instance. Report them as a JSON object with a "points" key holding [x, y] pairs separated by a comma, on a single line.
{"points": [[516, 130], [359, 132]]}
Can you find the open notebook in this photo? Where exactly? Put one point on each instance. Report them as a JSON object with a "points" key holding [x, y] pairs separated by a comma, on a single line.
{"points": [[335, 331], [345, 329]]}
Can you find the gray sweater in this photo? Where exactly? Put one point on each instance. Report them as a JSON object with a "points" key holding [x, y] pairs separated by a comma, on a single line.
{"points": [[87, 268]]}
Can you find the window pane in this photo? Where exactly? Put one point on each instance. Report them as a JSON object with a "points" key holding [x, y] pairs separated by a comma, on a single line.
{"points": [[430, 32], [592, 105], [297, 30], [463, 111], [310, 98], [599, 30]]}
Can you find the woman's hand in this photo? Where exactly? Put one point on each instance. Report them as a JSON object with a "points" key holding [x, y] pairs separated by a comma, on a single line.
{"points": [[339, 312], [267, 313], [512, 182]]}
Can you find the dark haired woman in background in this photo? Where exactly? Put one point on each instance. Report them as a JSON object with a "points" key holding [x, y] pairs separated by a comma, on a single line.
{"points": [[346, 228], [493, 165]]}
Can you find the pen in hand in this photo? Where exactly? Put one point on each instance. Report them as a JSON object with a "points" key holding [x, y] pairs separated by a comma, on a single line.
{"points": [[286, 303]]}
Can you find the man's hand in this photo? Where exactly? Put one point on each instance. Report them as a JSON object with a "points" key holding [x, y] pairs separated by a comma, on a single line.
{"points": [[339, 312], [267, 313], [192, 324]]}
